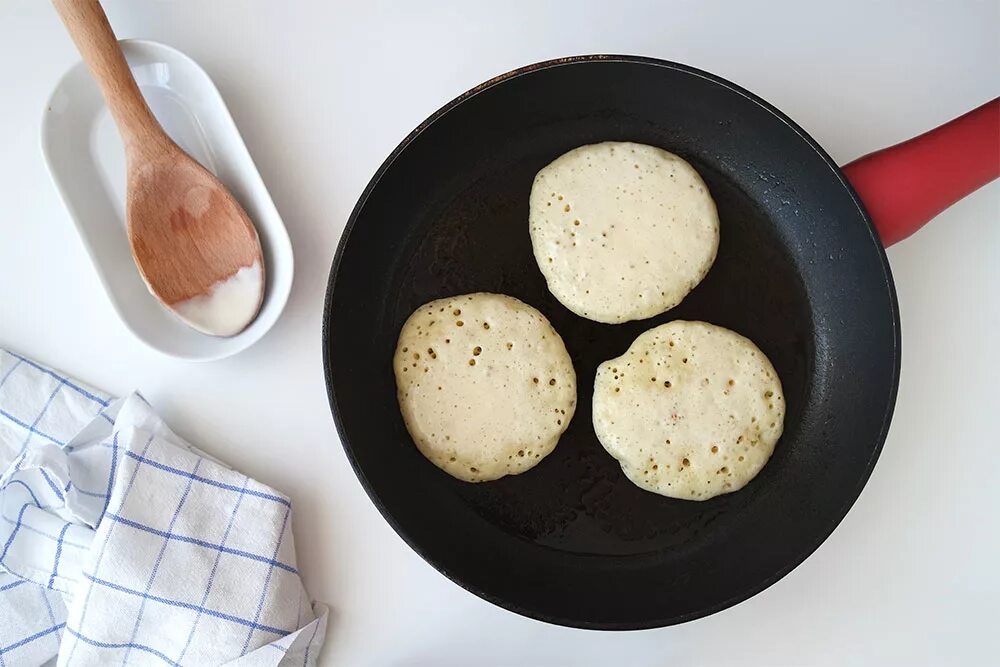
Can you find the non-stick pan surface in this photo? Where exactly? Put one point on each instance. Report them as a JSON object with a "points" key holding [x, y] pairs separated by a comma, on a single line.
{"points": [[800, 271]]}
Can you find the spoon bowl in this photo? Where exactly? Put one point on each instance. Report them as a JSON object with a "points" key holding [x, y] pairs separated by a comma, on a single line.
{"points": [[185, 229]]}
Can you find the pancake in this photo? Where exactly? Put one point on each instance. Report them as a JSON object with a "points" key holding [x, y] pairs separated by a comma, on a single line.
{"points": [[690, 411], [485, 385], [621, 231]]}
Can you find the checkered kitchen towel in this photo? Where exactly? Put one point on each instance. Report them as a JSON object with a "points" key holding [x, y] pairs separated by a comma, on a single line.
{"points": [[122, 544]]}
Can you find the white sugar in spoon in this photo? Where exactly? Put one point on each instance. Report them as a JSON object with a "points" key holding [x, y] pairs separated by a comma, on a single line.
{"points": [[192, 242]]}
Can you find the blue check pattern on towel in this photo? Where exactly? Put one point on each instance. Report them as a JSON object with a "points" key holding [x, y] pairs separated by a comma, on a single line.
{"points": [[122, 544]]}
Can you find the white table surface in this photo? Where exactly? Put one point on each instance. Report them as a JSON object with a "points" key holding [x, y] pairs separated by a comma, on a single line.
{"points": [[322, 91]]}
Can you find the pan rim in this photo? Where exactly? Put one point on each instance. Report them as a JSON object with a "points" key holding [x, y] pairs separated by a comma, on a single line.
{"points": [[751, 590]]}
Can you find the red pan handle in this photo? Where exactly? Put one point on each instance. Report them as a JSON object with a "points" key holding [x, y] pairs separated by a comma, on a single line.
{"points": [[906, 185]]}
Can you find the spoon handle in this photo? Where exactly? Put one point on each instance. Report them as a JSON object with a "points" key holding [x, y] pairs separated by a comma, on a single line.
{"points": [[88, 26]]}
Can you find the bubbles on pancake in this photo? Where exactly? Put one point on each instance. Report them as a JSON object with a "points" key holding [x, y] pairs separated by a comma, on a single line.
{"points": [[706, 420], [500, 383], [581, 246]]}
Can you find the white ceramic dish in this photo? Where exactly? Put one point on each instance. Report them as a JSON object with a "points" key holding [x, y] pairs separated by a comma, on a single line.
{"points": [[87, 162]]}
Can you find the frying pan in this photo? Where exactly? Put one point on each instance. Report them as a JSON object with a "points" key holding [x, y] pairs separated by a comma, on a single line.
{"points": [[800, 270]]}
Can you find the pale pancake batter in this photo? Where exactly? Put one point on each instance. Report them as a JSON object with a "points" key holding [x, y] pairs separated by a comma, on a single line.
{"points": [[691, 410], [622, 231], [485, 385]]}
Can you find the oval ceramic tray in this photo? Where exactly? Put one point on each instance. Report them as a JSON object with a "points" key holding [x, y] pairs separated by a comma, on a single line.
{"points": [[87, 162]]}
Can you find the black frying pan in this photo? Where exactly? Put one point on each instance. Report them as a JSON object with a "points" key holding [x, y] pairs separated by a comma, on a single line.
{"points": [[800, 270]]}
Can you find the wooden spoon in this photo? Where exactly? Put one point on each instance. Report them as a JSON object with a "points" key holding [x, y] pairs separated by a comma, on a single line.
{"points": [[192, 242]]}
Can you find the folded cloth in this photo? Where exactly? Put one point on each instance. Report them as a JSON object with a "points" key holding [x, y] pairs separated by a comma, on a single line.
{"points": [[121, 543]]}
